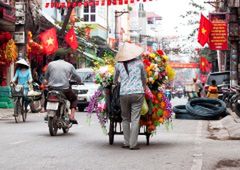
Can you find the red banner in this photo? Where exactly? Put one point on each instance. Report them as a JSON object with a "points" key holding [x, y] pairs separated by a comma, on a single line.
{"points": [[219, 34], [183, 65]]}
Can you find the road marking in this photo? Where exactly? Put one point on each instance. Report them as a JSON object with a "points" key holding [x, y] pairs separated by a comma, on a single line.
{"points": [[197, 161], [18, 142]]}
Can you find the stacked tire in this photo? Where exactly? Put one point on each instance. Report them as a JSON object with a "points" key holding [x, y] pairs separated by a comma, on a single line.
{"points": [[201, 109]]}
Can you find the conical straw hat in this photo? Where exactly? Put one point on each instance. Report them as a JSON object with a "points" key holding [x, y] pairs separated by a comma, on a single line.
{"points": [[23, 62], [128, 51]]}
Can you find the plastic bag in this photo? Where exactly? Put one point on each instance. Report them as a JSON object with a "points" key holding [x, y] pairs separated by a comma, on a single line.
{"points": [[144, 109]]}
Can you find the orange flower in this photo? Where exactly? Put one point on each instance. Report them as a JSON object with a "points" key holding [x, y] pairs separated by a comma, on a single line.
{"points": [[161, 120], [163, 105]]}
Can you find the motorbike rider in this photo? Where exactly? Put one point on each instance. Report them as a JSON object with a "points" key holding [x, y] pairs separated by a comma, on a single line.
{"points": [[58, 74]]}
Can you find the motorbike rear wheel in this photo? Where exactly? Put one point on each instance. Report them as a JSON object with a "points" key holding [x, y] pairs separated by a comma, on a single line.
{"points": [[52, 126]]}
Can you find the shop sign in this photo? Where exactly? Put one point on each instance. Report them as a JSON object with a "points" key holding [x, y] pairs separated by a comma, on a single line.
{"points": [[218, 39], [19, 37], [183, 65], [7, 14]]}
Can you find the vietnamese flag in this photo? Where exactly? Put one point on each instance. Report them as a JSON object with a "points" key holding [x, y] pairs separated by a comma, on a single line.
{"points": [[204, 65], [204, 30], [71, 39], [49, 41]]}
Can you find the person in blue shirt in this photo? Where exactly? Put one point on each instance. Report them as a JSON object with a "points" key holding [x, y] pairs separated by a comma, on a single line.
{"points": [[23, 77]]}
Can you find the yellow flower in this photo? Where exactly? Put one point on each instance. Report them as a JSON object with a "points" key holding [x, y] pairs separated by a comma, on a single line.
{"points": [[165, 57], [170, 72], [152, 55]]}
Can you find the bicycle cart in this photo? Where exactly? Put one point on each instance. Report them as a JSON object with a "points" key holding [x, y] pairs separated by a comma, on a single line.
{"points": [[115, 120]]}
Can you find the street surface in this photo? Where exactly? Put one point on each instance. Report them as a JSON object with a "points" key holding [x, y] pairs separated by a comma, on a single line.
{"points": [[28, 145]]}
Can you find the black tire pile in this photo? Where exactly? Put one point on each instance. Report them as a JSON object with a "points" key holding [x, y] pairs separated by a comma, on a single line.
{"points": [[201, 109]]}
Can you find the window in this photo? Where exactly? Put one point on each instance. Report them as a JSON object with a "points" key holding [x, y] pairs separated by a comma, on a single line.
{"points": [[93, 19], [89, 14], [86, 18]]}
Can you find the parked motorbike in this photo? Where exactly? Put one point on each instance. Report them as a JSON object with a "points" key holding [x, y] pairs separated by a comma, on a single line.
{"points": [[36, 104]]}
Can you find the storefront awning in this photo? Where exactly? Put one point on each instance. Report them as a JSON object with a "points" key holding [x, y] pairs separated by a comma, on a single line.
{"points": [[92, 57]]}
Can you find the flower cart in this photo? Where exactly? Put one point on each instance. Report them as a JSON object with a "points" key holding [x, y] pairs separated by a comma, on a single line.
{"points": [[106, 101], [114, 115]]}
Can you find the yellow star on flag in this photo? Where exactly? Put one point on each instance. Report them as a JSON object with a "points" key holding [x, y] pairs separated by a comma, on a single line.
{"points": [[71, 38], [50, 41], [204, 30]]}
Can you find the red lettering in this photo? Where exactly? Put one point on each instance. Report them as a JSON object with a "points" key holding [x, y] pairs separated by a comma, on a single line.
{"points": [[63, 5], [74, 4], [47, 5], [52, 4], [68, 4]]}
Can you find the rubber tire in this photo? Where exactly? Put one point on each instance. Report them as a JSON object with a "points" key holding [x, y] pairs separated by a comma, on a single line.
{"points": [[17, 111], [52, 130], [180, 109], [111, 132], [237, 109], [212, 114]]}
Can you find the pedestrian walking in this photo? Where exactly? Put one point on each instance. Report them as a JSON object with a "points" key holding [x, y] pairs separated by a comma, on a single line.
{"points": [[130, 70], [197, 87], [213, 90]]}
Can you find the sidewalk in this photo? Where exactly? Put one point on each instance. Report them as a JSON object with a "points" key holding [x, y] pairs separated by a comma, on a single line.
{"points": [[226, 128], [6, 113]]}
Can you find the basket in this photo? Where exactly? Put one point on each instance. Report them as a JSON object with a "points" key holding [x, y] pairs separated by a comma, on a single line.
{"points": [[17, 91], [35, 95]]}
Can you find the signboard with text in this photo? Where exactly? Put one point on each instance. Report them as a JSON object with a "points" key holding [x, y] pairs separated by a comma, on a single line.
{"points": [[183, 65], [218, 39]]}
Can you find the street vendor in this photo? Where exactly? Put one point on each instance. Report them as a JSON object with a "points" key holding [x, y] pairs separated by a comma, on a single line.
{"points": [[130, 69]]}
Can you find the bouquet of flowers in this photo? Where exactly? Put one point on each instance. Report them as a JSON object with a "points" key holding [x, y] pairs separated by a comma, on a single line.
{"points": [[98, 104], [158, 74], [104, 75]]}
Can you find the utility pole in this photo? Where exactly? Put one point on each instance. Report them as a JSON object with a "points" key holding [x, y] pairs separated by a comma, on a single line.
{"points": [[20, 34], [117, 14]]}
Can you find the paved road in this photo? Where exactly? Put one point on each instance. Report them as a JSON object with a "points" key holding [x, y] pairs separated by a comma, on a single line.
{"points": [[29, 146]]}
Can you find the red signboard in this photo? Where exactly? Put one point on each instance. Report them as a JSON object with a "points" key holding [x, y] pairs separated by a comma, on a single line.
{"points": [[8, 14], [183, 65], [218, 39]]}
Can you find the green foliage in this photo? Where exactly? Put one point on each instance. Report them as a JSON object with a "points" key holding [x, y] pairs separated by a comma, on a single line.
{"points": [[191, 16]]}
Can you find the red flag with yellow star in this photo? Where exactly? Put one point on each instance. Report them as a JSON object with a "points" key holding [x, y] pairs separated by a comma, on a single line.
{"points": [[204, 30], [71, 39], [49, 41], [204, 65]]}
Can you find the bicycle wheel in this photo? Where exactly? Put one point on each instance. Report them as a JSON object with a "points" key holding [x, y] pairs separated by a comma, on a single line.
{"points": [[17, 110], [111, 132], [24, 115]]}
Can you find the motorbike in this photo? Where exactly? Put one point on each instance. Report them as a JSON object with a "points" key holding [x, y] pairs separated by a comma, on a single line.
{"points": [[58, 111], [168, 94]]}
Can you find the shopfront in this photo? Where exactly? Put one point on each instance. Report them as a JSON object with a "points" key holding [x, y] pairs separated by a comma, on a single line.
{"points": [[7, 54]]}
